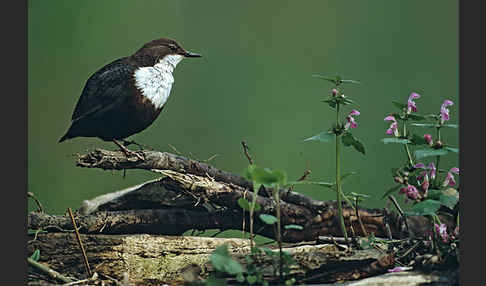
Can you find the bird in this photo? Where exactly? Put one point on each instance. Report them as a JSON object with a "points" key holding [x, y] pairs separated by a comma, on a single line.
{"points": [[125, 96]]}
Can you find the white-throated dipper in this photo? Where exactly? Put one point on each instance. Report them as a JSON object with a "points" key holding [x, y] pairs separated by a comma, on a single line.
{"points": [[126, 96]]}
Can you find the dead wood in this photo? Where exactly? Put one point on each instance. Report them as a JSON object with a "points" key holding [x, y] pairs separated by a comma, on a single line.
{"points": [[164, 259], [181, 202]]}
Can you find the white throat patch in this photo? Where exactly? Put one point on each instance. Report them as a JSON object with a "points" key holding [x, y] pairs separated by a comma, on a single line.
{"points": [[156, 82]]}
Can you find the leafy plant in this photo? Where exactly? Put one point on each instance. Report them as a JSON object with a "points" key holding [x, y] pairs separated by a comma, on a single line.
{"points": [[420, 182], [341, 133]]}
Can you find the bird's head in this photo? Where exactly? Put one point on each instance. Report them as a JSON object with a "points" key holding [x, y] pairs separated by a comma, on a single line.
{"points": [[156, 50]]}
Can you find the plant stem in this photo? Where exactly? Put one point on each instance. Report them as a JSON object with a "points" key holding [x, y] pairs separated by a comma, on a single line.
{"points": [[406, 145], [437, 160], [338, 179], [279, 237]]}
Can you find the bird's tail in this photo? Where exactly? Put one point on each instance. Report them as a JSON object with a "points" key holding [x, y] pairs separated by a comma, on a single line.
{"points": [[65, 137]]}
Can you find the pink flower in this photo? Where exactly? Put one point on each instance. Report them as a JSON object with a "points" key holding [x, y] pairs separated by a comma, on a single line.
{"points": [[449, 180], [411, 106], [425, 184], [411, 192], [444, 111], [442, 231], [419, 166], [350, 119], [432, 169], [334, 92], [393, 127], [428, 138]]}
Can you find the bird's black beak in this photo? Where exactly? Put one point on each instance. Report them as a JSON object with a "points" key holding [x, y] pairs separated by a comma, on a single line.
{"points": [[188, 54]]}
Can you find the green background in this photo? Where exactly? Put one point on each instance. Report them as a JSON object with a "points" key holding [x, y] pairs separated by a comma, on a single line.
{"points": [[253, 83]]}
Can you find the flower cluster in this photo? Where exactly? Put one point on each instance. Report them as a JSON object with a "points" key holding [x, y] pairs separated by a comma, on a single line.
{"points": [[393, 127], [411, 106], [444, 112], [350, 122], [441, 230]]}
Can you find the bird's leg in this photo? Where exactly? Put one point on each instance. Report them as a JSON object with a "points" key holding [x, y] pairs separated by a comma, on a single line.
{"points": [[127, 143], [126, 151]]}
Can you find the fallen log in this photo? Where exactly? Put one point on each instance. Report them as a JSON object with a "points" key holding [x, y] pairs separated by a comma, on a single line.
{"points": [[123, 230], [165, 259]]}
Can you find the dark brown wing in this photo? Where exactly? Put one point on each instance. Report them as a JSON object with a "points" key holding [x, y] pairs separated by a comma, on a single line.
{"points": [[106, 87]]}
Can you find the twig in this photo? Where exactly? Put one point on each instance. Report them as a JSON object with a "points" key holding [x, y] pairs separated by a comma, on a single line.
{"points": [[174, 149], [365, 233], [78, 237], [39, 205], [112, 279], [245, 149], [397, 206], [385, 222], [409, 250], [51, 273], [304, 176], [92, 279]]}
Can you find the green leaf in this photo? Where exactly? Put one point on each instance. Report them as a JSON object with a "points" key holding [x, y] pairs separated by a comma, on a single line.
{"points": [[344, 176], [281, 177], [268, 219], [293, 226], [427, 207], [336, 80], [222, 261], [331, 79], [34, 231], [421, 153], [448, 197], [268, 251], [350, 81], [325, 136], [36, 255], [455, 150], [322, 184], [400, 105], [390, 190], [426, 125], [359, 195], [396, 140], [349, 140], [244, 204], [265, 176], [418, 140], [432, 125], [359, 146], [251, 279], [214, 281], [332, 101], [240, 277], [349, 101], [450, 125], [416, 117]]}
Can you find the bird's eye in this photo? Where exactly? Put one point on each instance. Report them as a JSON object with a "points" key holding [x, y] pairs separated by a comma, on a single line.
{"points": [[173, 48]]}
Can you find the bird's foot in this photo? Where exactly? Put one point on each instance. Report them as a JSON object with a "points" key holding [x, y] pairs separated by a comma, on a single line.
{"points": [[128, 152], [127, 143]]}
